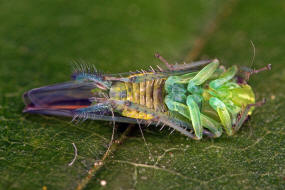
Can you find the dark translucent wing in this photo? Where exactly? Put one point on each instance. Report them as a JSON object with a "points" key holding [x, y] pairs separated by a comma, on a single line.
{"points": [[62, 99], [64, 96]]}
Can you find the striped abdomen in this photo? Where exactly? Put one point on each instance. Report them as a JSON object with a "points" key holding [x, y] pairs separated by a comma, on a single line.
{"points": [[149, 94]]}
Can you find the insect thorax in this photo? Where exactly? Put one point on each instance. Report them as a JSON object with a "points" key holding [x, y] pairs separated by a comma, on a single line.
{"points": [[234, 95]]}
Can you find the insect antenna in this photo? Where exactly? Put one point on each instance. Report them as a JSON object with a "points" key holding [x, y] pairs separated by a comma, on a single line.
{"points": [[250, 71], [253, 56]]}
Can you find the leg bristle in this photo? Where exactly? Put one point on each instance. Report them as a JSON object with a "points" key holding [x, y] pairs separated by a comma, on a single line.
{"points": [[162, 127], [158, 122], [149, 124], [160, 69], [152, 69]]}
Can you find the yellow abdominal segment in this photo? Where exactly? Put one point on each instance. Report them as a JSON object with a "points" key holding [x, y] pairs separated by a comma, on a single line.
{"points": [[147, 93]]}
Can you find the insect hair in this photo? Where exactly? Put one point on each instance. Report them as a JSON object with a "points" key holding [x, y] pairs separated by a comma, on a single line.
{"points": [[82, 67]]}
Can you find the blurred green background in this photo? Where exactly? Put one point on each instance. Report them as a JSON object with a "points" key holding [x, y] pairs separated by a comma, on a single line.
{"points": [[39, 40]]}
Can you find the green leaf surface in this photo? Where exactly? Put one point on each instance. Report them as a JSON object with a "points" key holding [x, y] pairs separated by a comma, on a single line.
{"points": [[38, 41]]}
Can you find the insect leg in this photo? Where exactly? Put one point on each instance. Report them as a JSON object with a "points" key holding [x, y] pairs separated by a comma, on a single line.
{"points": [[98, 112], [178, 69], [94, 108], [157, 55], [248, 71], [185, 66], [158, 117], [202, 76], [228, 75], [223, 113], [213, 126], [195, 116], [244, 114], [215, 129]]}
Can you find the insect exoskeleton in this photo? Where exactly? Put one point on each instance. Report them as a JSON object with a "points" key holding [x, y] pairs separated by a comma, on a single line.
{"points": [[148, 94], [191, 101]]}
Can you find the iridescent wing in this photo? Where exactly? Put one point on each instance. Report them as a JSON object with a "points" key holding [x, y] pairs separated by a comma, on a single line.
{"points": [[58, 99]]}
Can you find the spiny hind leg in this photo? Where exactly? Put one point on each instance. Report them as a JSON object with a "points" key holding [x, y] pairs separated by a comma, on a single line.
{"points": [[88, 112], [103, 112], [91, 112], [179, 67], [158, 117], [243, 116]]}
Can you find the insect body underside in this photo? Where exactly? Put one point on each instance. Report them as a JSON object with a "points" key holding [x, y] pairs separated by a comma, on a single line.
{"points": [[195, 103], [147, 93]]}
